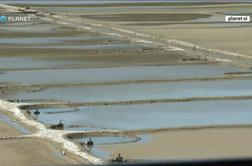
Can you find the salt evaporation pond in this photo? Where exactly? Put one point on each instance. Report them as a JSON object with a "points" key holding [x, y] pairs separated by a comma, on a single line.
{"points": [[144, 116], [31, 40], [109, 140], [147, 91], [49, 40], [30, 67], [94, 75], [103, 140], [87, 47], [34, 63], [30, 28]]}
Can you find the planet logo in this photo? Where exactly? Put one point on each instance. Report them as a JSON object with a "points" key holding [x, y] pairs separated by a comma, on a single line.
{"points": [[3, 19]]}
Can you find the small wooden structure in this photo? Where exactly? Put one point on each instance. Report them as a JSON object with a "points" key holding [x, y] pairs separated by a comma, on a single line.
{"points": [[90, 142], [37, 112], [118, 159], [59, 126]]}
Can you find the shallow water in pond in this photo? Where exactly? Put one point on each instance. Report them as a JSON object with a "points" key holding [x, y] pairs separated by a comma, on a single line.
{"points": [[71, 125], [29, 28], [58, 42], [147, 91], [109, 140], [32, 40], [45, 40], [43, 66], [103, 140], [107, 74], [24, 63], [88, 47], [5, 119], [146, 116]]}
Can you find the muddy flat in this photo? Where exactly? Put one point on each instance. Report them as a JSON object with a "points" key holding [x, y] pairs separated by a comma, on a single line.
{"points": [[31, 152], [28, 151], [199, 144]]}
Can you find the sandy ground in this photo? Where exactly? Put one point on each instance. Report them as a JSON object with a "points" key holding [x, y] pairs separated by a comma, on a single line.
{"points": [[8, 131], [234, 39], [207, 143], [29, 151]]}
